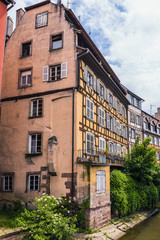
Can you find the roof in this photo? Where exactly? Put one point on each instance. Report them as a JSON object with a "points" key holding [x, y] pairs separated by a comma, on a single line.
{"points": [[133, 94], [37, 5], [7, 2], [93, 47]]}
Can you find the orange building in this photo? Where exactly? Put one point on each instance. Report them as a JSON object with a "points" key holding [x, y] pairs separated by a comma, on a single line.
{"points": [[5, 5]]}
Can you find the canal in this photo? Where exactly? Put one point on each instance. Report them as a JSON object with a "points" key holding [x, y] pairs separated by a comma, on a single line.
{"points": [[147, 230]]}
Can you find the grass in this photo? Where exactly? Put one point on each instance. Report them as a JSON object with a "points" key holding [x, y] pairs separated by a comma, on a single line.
{"points": [[8, 219]]}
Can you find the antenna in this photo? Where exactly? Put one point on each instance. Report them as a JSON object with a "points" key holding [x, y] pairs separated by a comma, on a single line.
{"points": [[89, 32], [69, 3]]}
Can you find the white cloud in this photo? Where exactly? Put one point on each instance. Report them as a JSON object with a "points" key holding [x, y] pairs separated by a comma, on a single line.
{"points": [[127, 32]]}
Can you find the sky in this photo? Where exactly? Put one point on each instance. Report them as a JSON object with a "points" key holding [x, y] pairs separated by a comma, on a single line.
{"points": [[127, 32]]}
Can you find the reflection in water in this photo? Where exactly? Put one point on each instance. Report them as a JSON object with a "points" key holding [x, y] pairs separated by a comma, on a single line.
{"points": [[147, 230]]}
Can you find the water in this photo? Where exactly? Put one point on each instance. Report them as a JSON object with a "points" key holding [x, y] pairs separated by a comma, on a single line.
{"points": [[147, 230]]}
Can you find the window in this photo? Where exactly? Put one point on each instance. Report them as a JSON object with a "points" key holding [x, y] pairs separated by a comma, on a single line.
{"points": [[102, 147], [36, 108], [131, 100], [41, 19], [152, 140], [132, 117], [152, 128], [26, 49], [58, 72], [111, 147], [110, 99], [56, 42], [89, 143], [117, 127], [26, 78], [123, 131], [89, 109], [123, 112], [35, 142], [124, 151], [118, 149], [156, 141], [138, 120], [101, 117], [133, 134], [89, 79], [7, 183], [101, 90], [33, 182], [145, 125], [101, 181], [146, 136], [117, 106]]}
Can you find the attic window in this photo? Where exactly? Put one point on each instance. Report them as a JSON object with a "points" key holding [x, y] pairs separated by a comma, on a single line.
{"points": [[56, 42], [41, 19], [26, 49]]}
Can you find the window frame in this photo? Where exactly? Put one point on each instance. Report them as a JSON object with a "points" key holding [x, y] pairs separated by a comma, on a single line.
{"points": [[20, 85], [8, 175], [30, 140], [29, 181], [90, 110], [30, 49], [31, 115], [133, 131], [110, 96], [51, 41], [37, 27]]}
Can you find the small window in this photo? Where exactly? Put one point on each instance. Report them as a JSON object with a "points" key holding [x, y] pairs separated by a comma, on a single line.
{"points": [[35, 143], [118, 149], [36, 108], [89, 79], [26, 78], [124, 151], [41, 19], [111, 147], [123, 112], [110, 99], [57, 72], [101, 90], [117, 106], [101, 117], [101, 181], [8, 183], [133, 134], [138, 120], [153, 140], [56, 42], [117, 127], [89, 109], [26, 49], [89, 143], [123, 131], [102, 147], [33, 182]]}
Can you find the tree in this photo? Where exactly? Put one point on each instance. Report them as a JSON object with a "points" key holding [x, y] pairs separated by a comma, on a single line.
{"points": [[140, 162]]}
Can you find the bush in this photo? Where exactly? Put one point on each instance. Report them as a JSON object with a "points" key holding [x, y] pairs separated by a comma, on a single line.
{"points": [[127, 195], [53, 219]]}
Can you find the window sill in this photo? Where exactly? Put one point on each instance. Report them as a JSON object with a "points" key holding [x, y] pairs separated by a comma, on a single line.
{"points": [[33, 154], [53, 50], [30, 117], [21, 57], [25, 86]]}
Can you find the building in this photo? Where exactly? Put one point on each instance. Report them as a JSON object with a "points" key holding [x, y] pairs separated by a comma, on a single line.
{"points": [[157, 114], [151, 128], [64, 113], [5, 5], [134, 117]]}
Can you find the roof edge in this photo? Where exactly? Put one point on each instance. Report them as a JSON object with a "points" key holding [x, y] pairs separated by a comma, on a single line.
{"points": [[37, 5]]}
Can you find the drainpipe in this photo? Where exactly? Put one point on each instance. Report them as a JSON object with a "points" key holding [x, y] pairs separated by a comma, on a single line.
{"points": [[73, 187]]}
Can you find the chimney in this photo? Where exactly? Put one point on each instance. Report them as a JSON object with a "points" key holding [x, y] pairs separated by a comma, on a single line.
{"points": [[9, 28], [19, 15]]}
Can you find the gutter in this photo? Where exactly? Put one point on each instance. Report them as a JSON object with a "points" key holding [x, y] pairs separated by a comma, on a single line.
{"points": [[13, 3]]}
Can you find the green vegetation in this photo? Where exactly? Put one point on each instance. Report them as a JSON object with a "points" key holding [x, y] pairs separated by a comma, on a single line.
{"points": [[138, 186]]}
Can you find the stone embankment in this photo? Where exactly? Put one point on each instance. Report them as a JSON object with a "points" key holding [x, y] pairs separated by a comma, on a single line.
{"points": [[117, 228]]}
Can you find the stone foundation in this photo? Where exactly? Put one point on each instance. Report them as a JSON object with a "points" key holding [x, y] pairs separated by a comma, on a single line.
{"points": [[99, 216]]}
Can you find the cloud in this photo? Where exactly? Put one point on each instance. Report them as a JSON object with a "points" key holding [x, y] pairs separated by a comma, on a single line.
{"points": [[128, 35]]}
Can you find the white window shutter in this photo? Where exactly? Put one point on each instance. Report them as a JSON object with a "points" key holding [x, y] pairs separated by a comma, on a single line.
{"points": [[94, 83], [108, 120], [98, 87], [114, 102], [64, 70], [113, 124], [85, 74], [104, 93], [45, 73]]}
